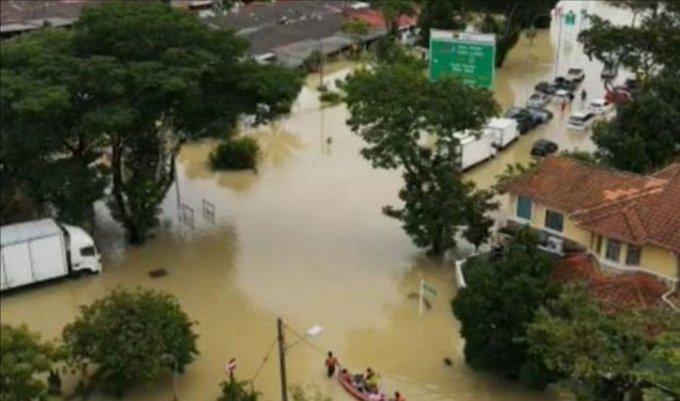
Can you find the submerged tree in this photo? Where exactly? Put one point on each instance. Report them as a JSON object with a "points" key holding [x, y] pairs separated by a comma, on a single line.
{"points": [[130, 337], [130, 82], [25, 360], [410, 123], [498, 304]]}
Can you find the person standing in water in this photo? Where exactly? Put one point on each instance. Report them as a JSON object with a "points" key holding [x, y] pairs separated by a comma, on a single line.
{"points": [[331, 363]]}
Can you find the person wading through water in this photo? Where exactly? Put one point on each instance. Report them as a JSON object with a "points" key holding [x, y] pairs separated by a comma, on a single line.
{"points": [[331, 363]]}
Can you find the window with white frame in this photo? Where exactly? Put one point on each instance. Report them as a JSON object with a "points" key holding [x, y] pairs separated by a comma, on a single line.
{"points": [[524, 207]]}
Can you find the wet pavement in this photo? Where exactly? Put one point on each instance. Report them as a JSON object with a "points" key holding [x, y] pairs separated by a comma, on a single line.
{"points": [[304, 238]]}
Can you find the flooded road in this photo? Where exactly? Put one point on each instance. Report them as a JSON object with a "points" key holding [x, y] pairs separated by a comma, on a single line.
{"points": [[304, 239]]}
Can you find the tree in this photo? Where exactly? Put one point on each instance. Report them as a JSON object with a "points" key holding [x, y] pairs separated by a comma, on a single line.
{"points": [[131, 82], [644, 136], [24, 361], [130, 337], [435, 14], [595, 353], [396, 109], [661, 367], [646, 48], [234, 390], [392, 11], [498, 304], [356, 29]]}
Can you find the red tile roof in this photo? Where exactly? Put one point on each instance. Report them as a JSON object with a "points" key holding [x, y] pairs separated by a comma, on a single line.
{"points": [[629, 207], [615, 292], [375, 19]]}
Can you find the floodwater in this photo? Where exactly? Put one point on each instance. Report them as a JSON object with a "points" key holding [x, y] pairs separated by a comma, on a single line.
{"points": [[304, 239]]}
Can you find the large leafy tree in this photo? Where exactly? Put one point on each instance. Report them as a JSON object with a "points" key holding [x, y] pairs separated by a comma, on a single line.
{"points": [[24, 361], [392, 11], [645, 48], [130, 337], [644, 135], [131, 81], [434, 14], [409, 123], [600, 356], [500, 301], [661, 367]]}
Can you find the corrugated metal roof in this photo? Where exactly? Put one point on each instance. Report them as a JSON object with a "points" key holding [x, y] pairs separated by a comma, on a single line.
{"points": [[21, 232]]}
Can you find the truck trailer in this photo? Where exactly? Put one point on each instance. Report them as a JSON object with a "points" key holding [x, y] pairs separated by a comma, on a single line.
{"points": [[474, 148], [41, 250], [504, 131]]}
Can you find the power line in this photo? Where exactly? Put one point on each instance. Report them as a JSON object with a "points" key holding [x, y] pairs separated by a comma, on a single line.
{"points": [[264, 360]]}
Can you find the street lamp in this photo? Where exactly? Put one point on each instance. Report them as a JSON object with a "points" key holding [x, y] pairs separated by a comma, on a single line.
{"points": [[175, 373]]}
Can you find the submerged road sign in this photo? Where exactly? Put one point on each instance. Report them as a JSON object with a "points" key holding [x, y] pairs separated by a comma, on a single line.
{"points": [[469, 56]]}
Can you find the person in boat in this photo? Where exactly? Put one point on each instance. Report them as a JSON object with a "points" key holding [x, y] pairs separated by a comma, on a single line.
{"points": [[371, 381], [398, 397], [331, 363], [346, 376]]}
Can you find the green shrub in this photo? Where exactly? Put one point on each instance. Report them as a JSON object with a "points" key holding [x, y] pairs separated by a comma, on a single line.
{"points": [[330, 98], [234, 390], [130, 337], [235, 154], [24, 360]]}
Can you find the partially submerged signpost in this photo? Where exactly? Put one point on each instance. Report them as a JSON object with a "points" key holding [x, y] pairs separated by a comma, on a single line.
{"points": [[469, 56]]}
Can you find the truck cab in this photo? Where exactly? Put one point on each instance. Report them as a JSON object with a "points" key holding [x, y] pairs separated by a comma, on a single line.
{"points": [[82, 251]]}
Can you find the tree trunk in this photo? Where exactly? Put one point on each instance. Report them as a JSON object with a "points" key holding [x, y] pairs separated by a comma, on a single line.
{"points": [[126, 220]]}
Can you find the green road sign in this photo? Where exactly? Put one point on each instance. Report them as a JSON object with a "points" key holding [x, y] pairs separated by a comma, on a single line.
{"points": [[471, 57], [570, 18]]}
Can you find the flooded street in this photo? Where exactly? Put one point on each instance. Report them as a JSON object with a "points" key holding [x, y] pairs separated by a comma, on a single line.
{"points": [[304, 239]]}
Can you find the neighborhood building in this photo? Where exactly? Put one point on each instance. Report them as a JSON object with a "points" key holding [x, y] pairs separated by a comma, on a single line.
{"points": [[627, 222]]}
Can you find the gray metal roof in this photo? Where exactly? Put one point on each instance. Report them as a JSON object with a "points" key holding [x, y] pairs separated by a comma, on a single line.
{"points": [[22, 232]]}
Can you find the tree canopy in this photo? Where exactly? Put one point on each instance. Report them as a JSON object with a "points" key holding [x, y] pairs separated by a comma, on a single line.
{"points": [[129, 83], [497, 306], [130, 337], [409, 122], [24, 360]]}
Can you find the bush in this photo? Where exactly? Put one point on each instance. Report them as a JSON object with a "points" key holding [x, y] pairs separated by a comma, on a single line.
{"points": [[499, 302], [24, 360], [130, 337], [235, 154], [233, 390], [330, 98]]}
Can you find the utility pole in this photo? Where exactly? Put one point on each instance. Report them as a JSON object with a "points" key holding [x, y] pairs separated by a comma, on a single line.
{"points": [[559, 40], [282, 360]]}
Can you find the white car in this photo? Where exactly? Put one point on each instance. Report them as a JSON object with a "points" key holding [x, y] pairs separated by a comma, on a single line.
{"points": [[600, 106], [562, 95], [537, 101], [581, 120], [576, 74]]}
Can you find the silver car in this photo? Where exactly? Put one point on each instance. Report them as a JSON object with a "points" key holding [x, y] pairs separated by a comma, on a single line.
{"points": [[537, 100]]}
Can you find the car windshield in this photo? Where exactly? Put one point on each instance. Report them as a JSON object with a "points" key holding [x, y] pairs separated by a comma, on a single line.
{"points": [[574, 71]]}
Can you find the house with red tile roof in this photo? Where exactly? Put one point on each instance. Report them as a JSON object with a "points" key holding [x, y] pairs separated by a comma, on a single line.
{"points": [[628, 222]]}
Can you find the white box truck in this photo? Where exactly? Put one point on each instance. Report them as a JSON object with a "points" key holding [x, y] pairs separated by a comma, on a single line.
{"points": [[41, 250], [474, 148], [504, 131]]}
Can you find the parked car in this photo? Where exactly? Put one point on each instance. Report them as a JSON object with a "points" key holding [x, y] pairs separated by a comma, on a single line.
{"points": [[564, 83], [543, 147], [600, 106], [524, 118], [563, 94], [545, 87], [576, 74], [609, 73], [537, 100], [542, 116], [581, 120]]}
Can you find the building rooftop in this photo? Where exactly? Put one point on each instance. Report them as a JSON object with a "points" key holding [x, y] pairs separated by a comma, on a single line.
{"points": [[633, 208]]}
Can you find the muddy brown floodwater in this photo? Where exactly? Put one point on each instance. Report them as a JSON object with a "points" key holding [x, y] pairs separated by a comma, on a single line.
{"points": [[305, 239]]}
